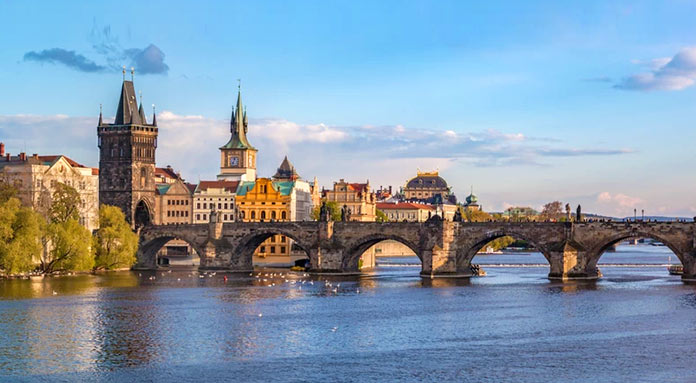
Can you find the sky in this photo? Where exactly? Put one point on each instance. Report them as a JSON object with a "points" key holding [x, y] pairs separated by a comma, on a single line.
{"points": [[526, 102]]}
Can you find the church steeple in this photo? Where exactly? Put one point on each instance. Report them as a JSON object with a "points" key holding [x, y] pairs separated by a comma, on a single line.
{"points": [[239, 126], [237, 156]]}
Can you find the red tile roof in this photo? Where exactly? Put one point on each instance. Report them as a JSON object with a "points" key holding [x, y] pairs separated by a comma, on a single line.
{"points": [[166, 172], [230, 186], [357, 187], [403, 206], [53, 158]]}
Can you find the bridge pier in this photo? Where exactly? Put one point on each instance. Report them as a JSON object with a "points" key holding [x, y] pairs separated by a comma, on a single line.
{"points": [[570, 261]]}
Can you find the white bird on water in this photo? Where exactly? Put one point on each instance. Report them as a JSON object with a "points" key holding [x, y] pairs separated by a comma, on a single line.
{"points": [[334, 329], [54, 292]]}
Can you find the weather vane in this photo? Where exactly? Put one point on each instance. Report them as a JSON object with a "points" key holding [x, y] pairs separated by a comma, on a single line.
{"points": [[239, 84], [132, 74], [124, 73]]}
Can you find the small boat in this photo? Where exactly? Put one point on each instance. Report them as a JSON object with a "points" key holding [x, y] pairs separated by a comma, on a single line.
{"points": [[674, 269]]}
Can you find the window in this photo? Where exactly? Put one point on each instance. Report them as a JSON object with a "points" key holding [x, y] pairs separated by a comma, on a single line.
{"points": [[272, 249], [253, 215], [283, 238], [283, 215], [282, 249], [225, 217], [273, 215], [225, 205], [262, 249], [243, 214], [219, 206], [205, 205], [205, 216], [263, 215], [198, 205], [198, 217]]}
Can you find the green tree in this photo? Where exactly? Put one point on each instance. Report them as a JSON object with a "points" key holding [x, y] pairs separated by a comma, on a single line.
{"points": [[333, 208], [20, 237], [380, 216], [115, 243], [71, 247], [65, 204]]}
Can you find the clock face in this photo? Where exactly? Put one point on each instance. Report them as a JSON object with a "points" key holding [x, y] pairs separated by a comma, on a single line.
{"points": [[234, 161]]}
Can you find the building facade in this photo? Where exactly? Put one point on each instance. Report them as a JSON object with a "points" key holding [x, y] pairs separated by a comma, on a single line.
{"points": [[127, 159], [36, 178], [426, 185], [237, 156], [266, 200], [357, 197], [406, 211], [218, 196]]}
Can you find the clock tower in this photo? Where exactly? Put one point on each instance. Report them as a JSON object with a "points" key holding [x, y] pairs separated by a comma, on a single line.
{"points": [[238, 157]]}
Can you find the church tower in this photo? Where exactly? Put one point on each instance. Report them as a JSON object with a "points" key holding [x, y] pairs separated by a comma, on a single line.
{"points": [[127, 159], [238, 157]]}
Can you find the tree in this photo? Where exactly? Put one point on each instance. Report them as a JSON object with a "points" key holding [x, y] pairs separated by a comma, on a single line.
{"points": [[65, 204], [71, 247], [20, 234], [476, 215], [380, 216], [552, 211], [7, 191], [114, 242], [333, 208]]}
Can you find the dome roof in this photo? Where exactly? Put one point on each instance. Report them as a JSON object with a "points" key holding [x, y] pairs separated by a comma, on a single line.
{"points": [[471, 199], [427, 180]]}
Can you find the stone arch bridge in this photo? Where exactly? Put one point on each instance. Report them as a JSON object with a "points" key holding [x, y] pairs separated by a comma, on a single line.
{"points": [[445, 248]]}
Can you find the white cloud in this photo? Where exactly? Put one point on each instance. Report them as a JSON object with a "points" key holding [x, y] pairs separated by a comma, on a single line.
{"points": [[675, 73], [389, 153], [620, 200]]}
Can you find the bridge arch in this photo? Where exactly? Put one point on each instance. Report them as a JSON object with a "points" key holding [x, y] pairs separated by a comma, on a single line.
{"points": [[150, 245], [597, 251], [468, 248], [358, 247], [248, 243]]}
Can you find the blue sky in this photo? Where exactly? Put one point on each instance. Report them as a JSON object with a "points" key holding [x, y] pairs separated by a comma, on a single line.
{"points": [[588, 102]]}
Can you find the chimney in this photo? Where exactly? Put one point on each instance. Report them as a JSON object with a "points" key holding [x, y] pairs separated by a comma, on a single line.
{"points": [[2, 149], [22, 156], [7, 157], [35, 156]]}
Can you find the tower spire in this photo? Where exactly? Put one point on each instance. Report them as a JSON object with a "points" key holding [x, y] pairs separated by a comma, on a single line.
{"points": [[154, 116], [100, 115]]}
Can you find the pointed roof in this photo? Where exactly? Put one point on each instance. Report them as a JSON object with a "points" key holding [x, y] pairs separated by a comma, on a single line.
{"points": [[141, 113], [286, 171], [238, 127]]}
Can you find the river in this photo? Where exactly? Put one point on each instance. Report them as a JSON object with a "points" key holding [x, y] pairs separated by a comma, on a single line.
{"points": [[637, 323]]}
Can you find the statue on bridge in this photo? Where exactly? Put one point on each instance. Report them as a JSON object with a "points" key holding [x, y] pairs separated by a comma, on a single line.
{"points": [[324, 213], [568, 215], [457, 216], [344, 213], [578, 214]]}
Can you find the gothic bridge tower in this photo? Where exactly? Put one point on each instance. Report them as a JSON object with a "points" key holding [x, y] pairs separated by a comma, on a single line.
{"points": [[127, 159], [238, 157]]}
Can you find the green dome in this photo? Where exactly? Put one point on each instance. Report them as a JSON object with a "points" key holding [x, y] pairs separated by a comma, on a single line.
{"points": [[471, 199]]}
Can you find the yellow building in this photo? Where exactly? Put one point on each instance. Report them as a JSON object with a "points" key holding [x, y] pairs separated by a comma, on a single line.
{"points": [[265, 200], [357, 197]]}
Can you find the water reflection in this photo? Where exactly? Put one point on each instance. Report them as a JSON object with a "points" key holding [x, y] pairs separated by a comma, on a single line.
{"points": [[185, 323]]}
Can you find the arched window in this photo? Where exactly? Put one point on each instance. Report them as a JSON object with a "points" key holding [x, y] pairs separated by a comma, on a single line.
{"points": [[263, 215], [283, 215], [253, 215], [143, 177], [242, 214], [273, 215]]}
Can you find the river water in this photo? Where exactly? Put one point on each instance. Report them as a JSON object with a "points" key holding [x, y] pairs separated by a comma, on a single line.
{"points": [[636, 324]]}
